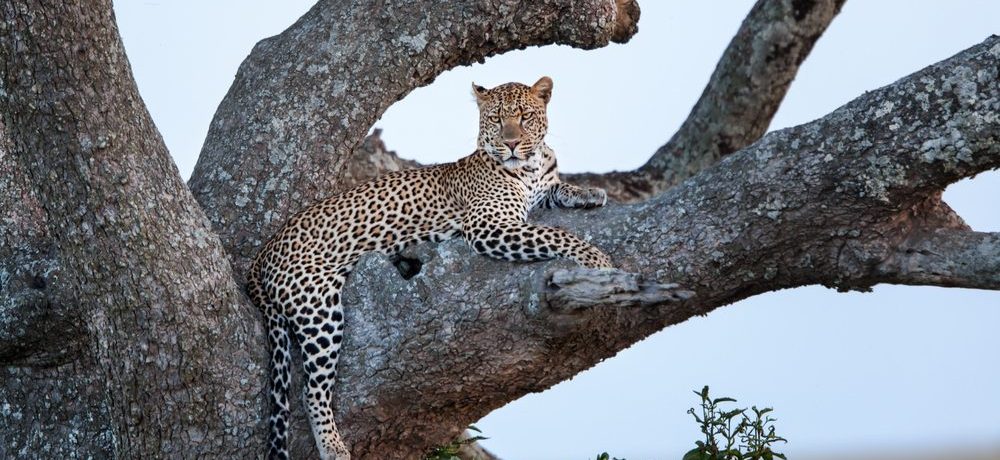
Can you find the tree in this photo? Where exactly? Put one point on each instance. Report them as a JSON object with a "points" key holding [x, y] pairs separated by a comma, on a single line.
{"points": [[123, 327]]}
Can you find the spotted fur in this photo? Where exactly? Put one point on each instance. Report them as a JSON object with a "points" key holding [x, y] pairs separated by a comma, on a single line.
{"points": [[296, 278]]}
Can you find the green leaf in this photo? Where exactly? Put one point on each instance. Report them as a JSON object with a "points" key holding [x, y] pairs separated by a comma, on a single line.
{"points": [[473, 428], [723, 399], [695, 454], [731, 414]]}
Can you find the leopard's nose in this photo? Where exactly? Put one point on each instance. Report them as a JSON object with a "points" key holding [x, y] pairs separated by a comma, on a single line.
{"points": [[512, 145]]}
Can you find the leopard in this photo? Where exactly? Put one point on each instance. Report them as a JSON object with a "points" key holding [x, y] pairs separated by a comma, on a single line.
{"points": [[296, 278]]}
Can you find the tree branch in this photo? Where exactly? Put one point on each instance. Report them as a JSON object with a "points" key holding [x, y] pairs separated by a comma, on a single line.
{"points": [[577, 289], [946, 257], [738, 103], [832, 202], [303, 100]]}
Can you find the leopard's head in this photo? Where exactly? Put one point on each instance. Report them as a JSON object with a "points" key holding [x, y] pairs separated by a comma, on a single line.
{"points": [[512, 121]]}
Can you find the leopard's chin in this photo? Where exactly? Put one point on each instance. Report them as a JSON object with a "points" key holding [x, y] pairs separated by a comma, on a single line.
{"points": [[509, 160], [513, 163]]}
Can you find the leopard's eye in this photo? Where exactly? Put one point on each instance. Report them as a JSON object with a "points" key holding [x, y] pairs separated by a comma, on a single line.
{"points": [[494, 119], [527, 115]]}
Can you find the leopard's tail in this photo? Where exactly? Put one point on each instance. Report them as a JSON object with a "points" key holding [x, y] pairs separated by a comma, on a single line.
{"points": [[281, 361]]}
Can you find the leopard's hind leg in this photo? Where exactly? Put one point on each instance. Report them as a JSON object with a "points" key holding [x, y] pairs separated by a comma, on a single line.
{"points": [[317, 319]]}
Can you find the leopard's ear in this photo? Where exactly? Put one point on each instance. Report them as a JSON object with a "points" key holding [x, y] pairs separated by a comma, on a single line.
{"points": [[543, 89], [479, 92]]}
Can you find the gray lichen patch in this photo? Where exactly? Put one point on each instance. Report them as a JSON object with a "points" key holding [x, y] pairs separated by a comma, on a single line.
{"points": [[415, 43], [948, 149], [772, 207], [962, 82], [880, 177]]}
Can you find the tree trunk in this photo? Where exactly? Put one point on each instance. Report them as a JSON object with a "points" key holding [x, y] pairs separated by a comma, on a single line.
{"points": [[148, 347], [123, 329]]}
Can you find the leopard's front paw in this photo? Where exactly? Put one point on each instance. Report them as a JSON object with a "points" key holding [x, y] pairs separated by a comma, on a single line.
{"points": [[594, 197]]}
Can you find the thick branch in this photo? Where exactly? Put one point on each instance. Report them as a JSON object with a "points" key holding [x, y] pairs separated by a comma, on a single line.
{"points": [[830, 202], [738, 103], [946, 258], [569, 291], [304, 99]]}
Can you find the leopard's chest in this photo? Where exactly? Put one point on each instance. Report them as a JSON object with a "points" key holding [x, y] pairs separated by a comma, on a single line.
{"points": [[535, 182]]}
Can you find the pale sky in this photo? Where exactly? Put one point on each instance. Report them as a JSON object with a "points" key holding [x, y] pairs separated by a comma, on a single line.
{"points": [[900, 368]]}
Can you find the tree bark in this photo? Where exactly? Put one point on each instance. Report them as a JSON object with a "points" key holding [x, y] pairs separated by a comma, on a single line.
{"points": [[124, 334], [149, 347]]}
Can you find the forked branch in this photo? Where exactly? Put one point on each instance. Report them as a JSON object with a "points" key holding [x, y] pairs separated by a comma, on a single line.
{"points": [[323, 82], [741, 97]]}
